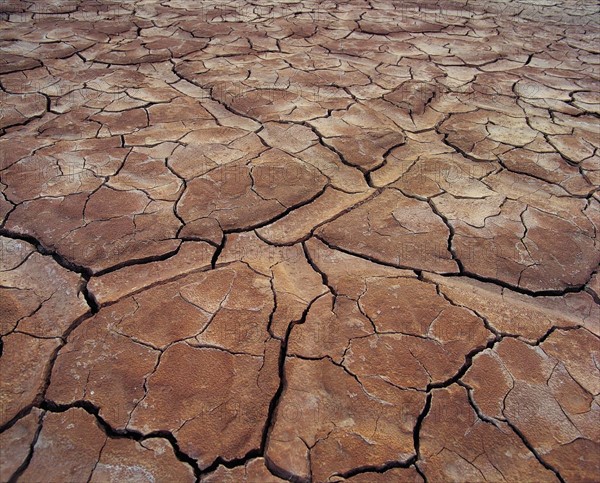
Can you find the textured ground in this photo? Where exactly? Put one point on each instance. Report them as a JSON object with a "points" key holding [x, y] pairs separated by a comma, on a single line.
{"points": [[250, 242]]}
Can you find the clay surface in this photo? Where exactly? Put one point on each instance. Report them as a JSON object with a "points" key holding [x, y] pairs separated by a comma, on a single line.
{"points": [[303, 240]]}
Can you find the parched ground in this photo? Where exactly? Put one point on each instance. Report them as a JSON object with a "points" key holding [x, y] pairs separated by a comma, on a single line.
{"points": [[307, 241]]}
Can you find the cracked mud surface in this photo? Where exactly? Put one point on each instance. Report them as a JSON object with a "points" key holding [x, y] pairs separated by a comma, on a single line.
{"points": [[299, 241]]}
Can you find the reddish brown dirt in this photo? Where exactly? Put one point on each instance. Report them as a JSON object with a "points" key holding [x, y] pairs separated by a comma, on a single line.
{"points": [[257, 241]]}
